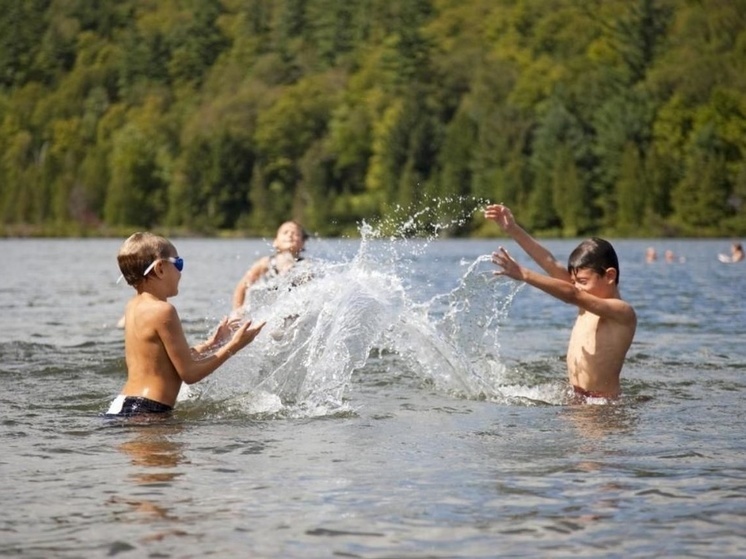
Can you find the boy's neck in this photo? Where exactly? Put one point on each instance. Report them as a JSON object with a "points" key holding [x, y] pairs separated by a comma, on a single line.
{"points": [[150, 289]]}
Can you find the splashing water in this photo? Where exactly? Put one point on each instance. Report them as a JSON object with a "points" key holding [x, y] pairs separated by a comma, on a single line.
{"points": [[325, 320]]}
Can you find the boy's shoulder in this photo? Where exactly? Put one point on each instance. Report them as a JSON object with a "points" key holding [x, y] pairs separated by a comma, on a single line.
{"points": [[625, 312]]}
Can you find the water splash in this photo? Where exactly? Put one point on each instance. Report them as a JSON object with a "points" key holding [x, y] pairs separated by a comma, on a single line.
{"points": [[327, 320]]}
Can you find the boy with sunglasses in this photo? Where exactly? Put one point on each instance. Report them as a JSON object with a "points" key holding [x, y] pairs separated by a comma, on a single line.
{"points": [[156, 351], [605, 325]]}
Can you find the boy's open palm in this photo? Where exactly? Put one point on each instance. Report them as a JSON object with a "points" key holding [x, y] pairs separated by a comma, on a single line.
{"points": [[509, 266], [245, 334], [225, 330]]}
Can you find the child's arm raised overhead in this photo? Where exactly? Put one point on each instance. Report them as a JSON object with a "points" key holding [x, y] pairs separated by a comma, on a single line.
{"points": [[611, 308], [504, 218]]}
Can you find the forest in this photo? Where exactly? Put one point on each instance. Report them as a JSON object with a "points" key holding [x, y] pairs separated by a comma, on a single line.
{"points": [[226, 117]]}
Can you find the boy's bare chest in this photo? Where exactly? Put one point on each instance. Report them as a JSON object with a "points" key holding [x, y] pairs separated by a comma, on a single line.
{"points": [[592, 334], [585, 331]]}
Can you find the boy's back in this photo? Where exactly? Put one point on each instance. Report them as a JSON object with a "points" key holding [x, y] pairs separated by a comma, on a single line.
{"points": [[150, 371], [158, 356]]}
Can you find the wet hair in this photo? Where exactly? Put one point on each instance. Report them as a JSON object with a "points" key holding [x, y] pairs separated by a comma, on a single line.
{"points": [[138, 252], [594, 254]]}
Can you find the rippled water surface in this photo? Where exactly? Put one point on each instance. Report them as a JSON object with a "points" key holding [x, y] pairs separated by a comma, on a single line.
{"points": [[404, 403]]}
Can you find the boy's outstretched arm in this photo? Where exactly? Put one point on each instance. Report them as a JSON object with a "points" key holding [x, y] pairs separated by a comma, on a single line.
{"points": [[191, 369], [504, 218], [611, 308]]}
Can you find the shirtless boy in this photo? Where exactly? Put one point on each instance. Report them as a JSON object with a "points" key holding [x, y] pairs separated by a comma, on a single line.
{"points": [[156, 351], [605, 325], [289, 242]]}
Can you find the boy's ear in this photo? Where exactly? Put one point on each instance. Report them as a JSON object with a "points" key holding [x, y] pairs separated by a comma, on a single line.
{"points": [[611, 274]]}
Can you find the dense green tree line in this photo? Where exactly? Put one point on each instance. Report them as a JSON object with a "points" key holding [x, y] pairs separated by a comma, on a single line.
{"points": [[626, 117]]}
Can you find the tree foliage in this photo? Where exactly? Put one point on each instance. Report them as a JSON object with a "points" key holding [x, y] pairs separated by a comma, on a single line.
{"points": [[586, 116]]}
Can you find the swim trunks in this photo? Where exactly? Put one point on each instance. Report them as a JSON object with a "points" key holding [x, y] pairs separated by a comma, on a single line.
{"points": [[584, 394], [127, 406]]}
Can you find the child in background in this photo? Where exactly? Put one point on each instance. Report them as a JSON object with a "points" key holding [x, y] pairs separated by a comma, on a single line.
{"points": [[605, 325], [736, 254], [289, 242], [156, 351]]}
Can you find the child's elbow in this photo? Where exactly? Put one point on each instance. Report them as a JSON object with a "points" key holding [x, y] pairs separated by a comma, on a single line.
{"points": [[190, 377]]}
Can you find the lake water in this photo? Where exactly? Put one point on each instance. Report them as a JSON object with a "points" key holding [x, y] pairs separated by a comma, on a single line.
{"points": [[404, 403]]}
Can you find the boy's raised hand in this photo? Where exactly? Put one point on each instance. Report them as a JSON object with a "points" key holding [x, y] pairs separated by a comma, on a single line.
{"points": [[501, 215], [509, 266]]}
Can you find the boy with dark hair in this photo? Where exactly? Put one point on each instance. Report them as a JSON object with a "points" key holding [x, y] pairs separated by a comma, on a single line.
{"points": [[605, 325]]}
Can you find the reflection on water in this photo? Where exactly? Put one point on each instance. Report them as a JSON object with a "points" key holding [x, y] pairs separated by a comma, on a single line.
{"points": [[156, 459], [597, 422], [593, 462], [155, 454]]}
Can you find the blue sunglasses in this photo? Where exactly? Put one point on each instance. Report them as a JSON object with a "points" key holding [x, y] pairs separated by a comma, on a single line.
{"points": [[178, 262]]}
